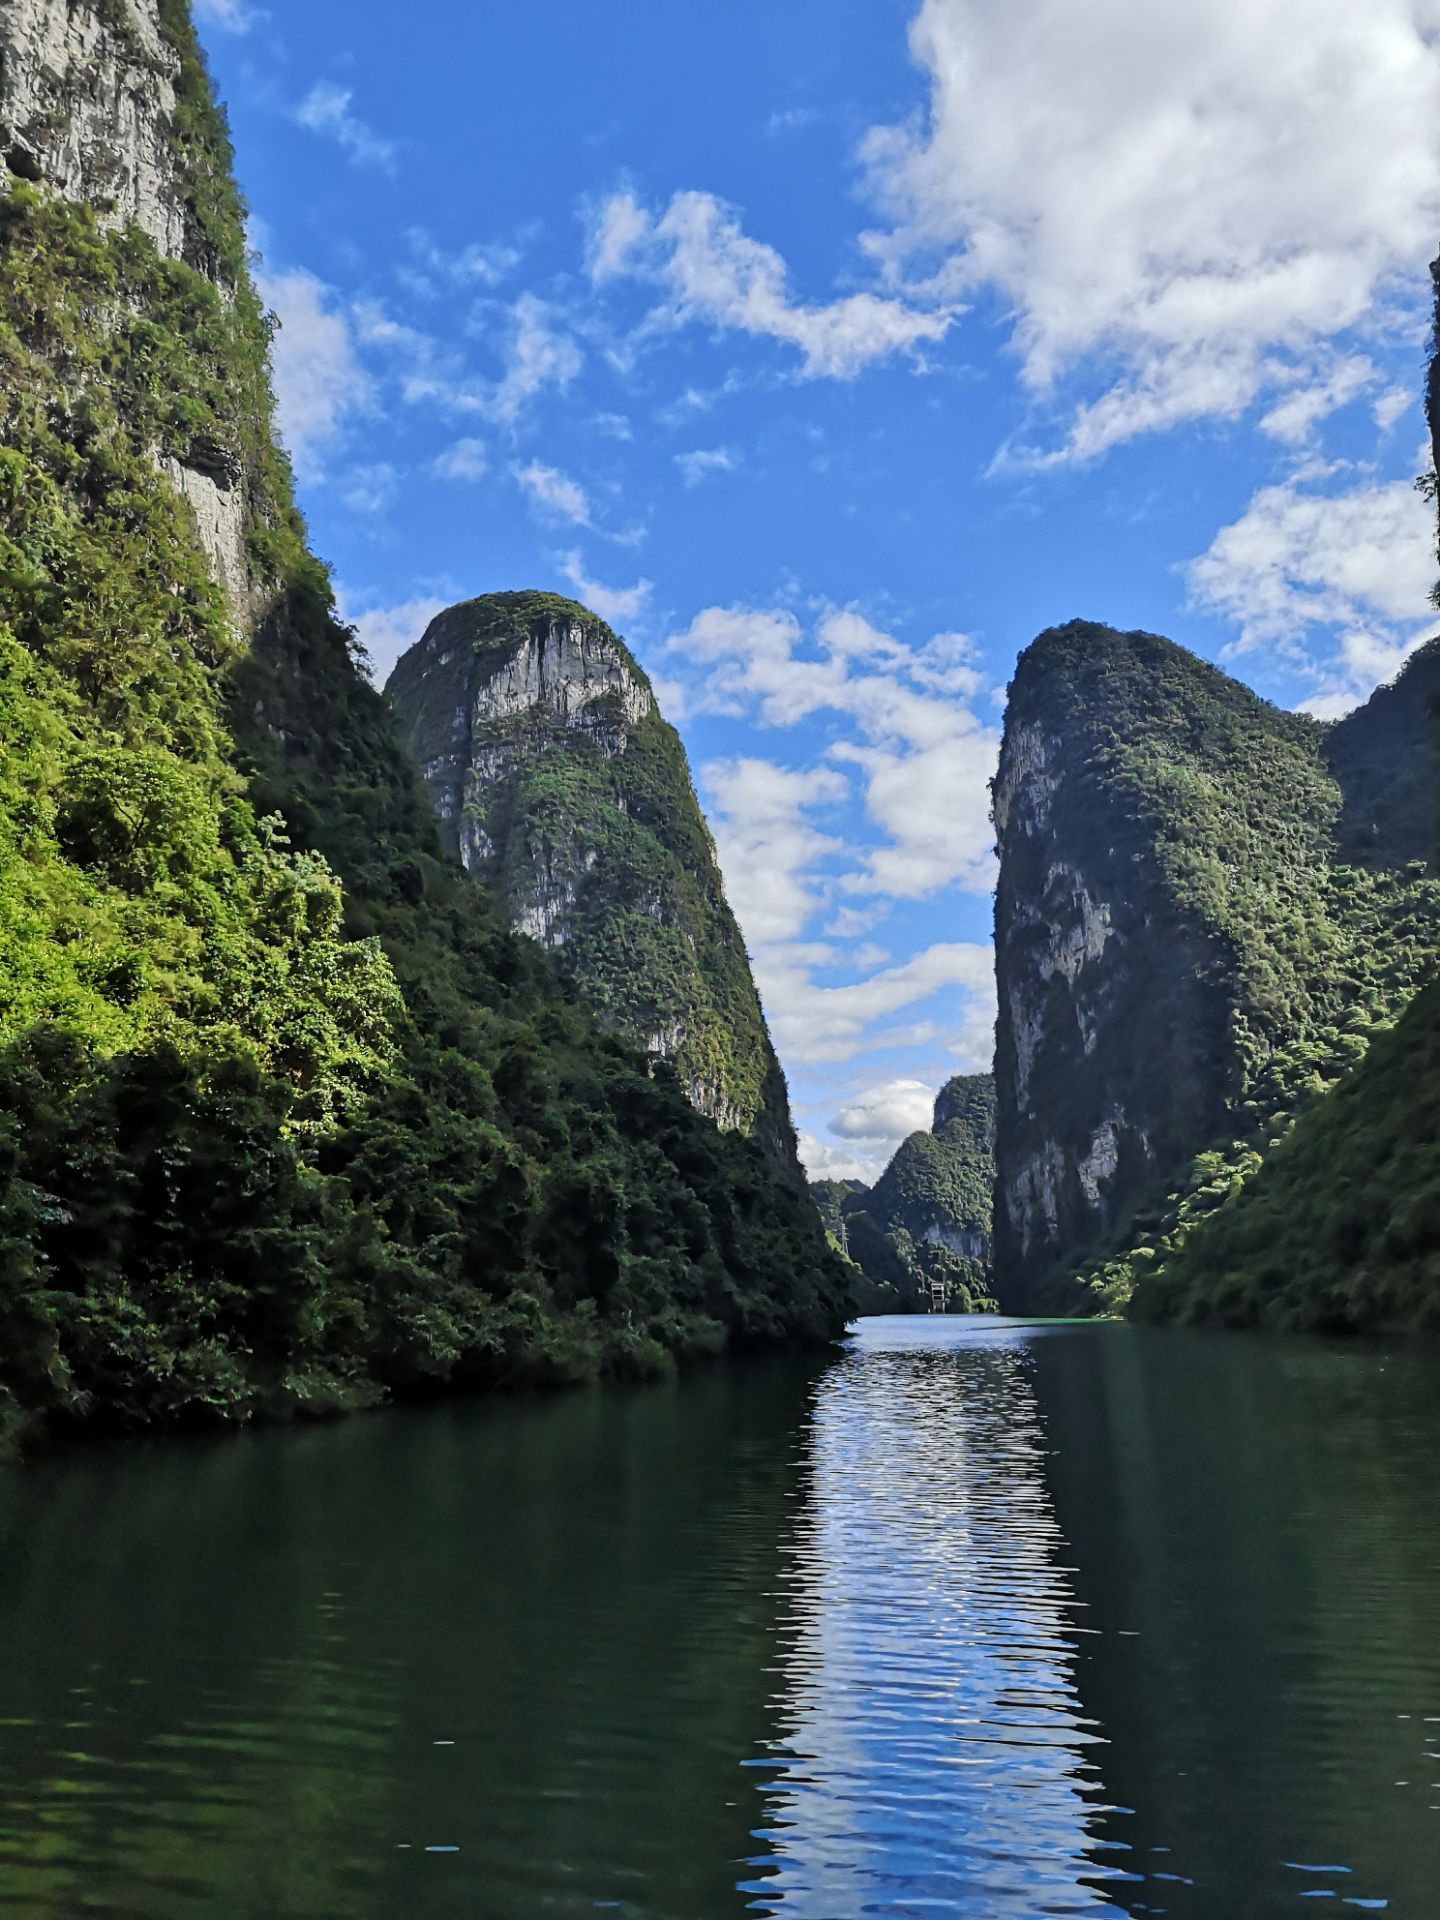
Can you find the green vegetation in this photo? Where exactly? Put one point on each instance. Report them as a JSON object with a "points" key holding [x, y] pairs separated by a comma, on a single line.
{"points": [[1267, 923], [927, 1219], [599, 820], [1340, 1227], [288, 1118]]}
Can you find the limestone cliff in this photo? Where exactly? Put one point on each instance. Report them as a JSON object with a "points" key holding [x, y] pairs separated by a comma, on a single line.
{"points": [[927, 1221], [1185, 953], [558, 781], [289, 1116], [106, 104]]}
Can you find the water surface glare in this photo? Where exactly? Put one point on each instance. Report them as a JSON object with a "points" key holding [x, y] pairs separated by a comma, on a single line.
{"points": [[978, 1617]]}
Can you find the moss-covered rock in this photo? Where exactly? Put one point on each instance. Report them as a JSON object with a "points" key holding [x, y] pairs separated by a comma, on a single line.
{"points": [[560, 783], [1206, 910], [289, 1117]]}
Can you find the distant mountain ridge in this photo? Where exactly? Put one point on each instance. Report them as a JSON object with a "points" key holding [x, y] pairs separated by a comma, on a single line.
{"points": [[927, 1221]]}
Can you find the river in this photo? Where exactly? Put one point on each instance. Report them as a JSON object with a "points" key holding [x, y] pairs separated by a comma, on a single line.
{"points": [[972, 1617]]}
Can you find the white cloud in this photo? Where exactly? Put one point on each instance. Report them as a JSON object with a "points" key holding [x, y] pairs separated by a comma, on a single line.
{"points": [[319, 381], [231, 16], [539, 354], [1391, 406], [370, 489], [1186, 199], [703, 461], [757, 812], [614, 604], [712, 272], [483, 264], [926, 758], [1336, 582], [387, 632], [1295, 418], [824, 1161], [555, 494], [465, 460], [886, 1112], [326, 110], [814, 1024]]}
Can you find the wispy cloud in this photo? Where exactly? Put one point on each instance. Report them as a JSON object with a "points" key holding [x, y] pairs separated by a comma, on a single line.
{"points": [[540, 353], [713, 273], [554, 494], [320, 383], [465, 459], [703, 461], [326, 110], [615, 604], [231, 16]]}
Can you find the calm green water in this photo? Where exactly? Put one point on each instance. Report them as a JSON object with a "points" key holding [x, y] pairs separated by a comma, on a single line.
{"points": [[974, 1618]]}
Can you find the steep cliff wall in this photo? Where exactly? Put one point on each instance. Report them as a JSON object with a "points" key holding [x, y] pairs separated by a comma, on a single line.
{"points": [[288, 1116], [1182, 957], [929, 1216], [558, 781]]}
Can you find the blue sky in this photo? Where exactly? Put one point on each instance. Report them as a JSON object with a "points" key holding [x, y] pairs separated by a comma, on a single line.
{"points": [[831, 352]]}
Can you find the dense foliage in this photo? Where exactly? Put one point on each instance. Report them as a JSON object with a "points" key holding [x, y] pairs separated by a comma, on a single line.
{"points": [[603, 818], [1271, 922], [926, 1222], [1340, 1227], [288, 1117]]}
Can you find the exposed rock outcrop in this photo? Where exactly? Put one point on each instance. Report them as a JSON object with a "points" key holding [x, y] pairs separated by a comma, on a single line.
{"points": [[1183, 954], [93, 101], [546, 757]]}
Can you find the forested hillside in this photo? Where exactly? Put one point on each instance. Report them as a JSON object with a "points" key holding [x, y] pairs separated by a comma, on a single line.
{"points": [[289, 1118], [926, 1223], [1340, 1229], [1207, 910]]}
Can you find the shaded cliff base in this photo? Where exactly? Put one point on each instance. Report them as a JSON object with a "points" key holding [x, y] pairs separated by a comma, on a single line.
{"points": [[1339, 1230]]}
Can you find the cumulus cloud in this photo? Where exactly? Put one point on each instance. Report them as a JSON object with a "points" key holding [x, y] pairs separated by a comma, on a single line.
{"points": [[1194, 199], [886, 1112], [768, 846], [815, 1024], [326, 110], [387, 632], [614, 604], [1337, 582], [710, 271], [320, 384], [925, 758]]}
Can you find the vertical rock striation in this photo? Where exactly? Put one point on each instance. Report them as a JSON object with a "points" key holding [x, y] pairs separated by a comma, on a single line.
{"points": [[558, 781], [1183, 954], [101, 101]]}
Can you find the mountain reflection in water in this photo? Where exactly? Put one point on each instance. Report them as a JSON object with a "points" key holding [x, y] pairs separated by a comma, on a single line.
{"points": [[972, 1617]]}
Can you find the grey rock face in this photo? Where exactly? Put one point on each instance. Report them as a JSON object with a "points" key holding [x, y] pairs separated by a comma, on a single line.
{"points": [[562, 786], [87, 104]]}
